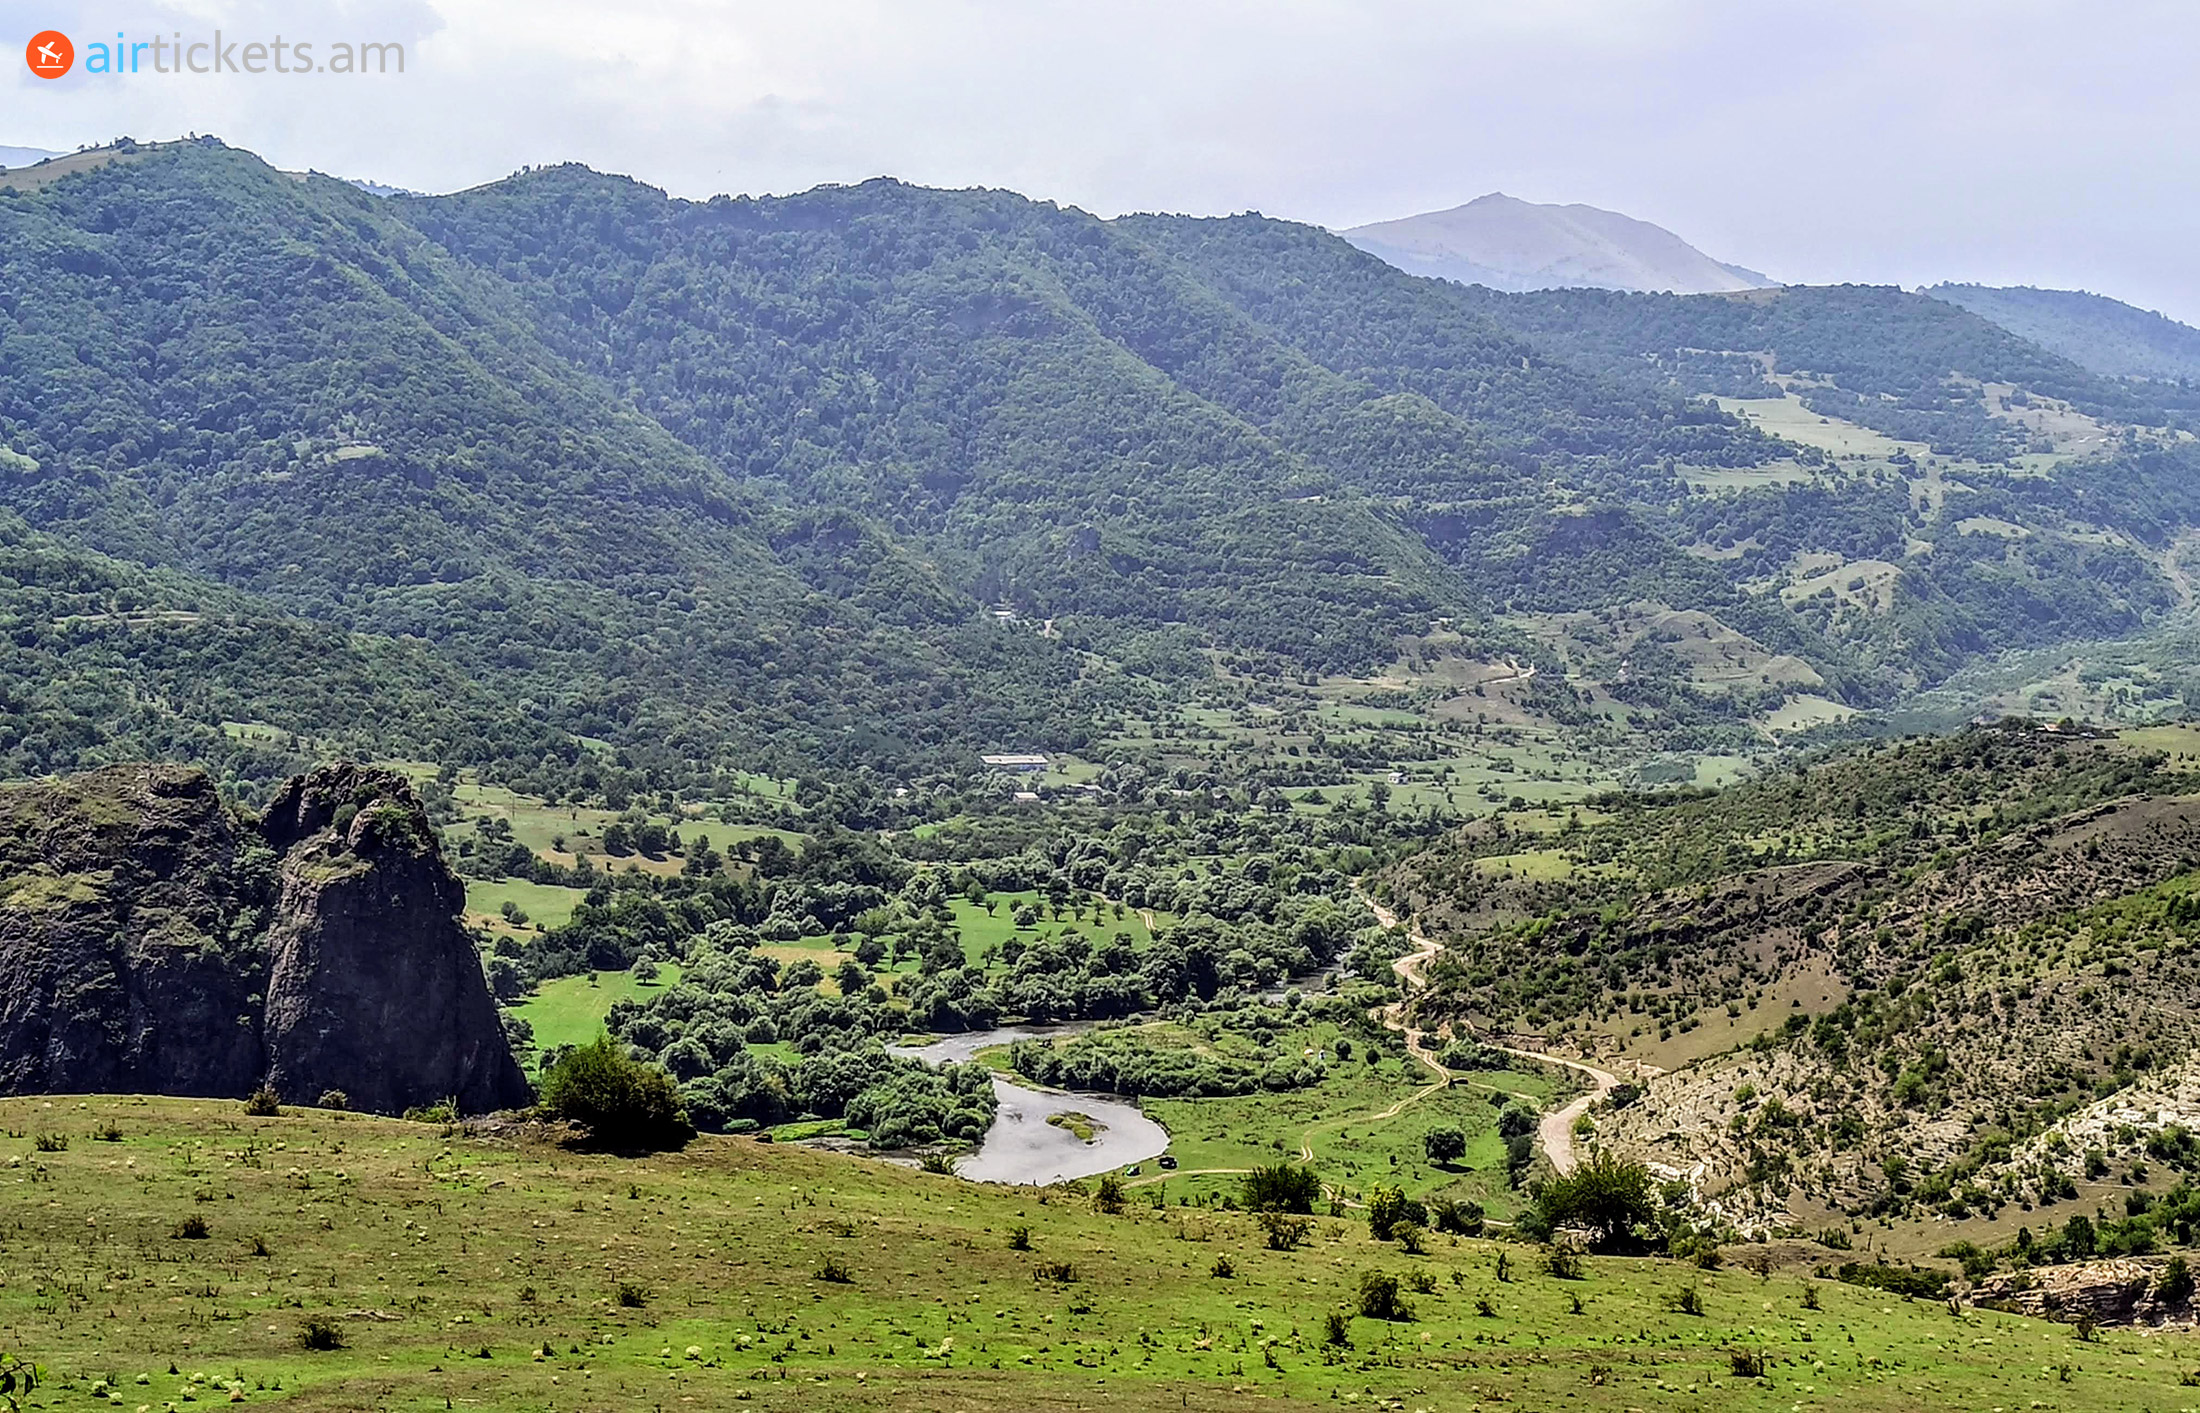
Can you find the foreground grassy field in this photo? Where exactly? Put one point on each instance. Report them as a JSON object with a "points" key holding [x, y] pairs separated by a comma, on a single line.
{"points": [[479, 1273]]}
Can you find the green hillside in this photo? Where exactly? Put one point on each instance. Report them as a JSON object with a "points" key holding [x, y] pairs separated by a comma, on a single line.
{"points": [[857, 483], [2106, 335]]}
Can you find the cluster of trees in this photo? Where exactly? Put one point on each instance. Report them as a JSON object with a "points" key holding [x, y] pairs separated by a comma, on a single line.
{"points": [[1127, 1062]]}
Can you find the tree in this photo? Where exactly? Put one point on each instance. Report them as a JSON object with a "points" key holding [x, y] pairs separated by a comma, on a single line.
{"points": [[1445, 1145], [1388, 1208], [1606, 1196], [1379, 1297], [1281, 1187], [621, 1102]]}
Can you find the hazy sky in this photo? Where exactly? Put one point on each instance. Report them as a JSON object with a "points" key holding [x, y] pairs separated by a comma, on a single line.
{"points": [[2008, 142]]}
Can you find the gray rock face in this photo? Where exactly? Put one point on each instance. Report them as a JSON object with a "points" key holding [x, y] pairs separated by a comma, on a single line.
{"points": [[155, 941], [373, 987]]}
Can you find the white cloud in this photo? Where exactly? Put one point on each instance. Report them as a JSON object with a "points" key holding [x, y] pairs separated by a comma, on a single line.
{"points": [[2037, 140]]}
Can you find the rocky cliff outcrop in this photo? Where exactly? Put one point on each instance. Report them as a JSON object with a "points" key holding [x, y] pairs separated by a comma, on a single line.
{"points": [[155, 941]]}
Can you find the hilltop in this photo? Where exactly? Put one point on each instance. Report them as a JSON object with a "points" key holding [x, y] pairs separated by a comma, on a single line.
{"points": [[1509, 244]]}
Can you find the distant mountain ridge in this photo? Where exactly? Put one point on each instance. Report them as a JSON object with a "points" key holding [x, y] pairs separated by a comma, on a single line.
{"points": [[24, 156], [1514, 245], [2104, 335]]}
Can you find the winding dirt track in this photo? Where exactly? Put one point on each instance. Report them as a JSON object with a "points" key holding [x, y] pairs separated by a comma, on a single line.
{"points": [[1556, 1132]]}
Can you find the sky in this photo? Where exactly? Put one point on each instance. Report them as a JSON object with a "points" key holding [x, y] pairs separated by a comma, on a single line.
{"points": [[2013, 142]]}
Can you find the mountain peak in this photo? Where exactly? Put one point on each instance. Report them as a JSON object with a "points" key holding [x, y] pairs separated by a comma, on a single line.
{"points": [[1510, 244]]}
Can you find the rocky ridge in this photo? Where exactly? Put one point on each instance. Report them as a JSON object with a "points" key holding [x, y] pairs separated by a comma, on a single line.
{"points": [[158, 941]]}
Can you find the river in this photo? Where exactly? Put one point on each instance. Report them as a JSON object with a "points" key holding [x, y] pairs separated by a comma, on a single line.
{"points": [[1021, 1146]]}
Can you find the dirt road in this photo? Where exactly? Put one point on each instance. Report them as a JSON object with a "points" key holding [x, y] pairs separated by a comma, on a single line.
{"points": [[1556, 1132]]}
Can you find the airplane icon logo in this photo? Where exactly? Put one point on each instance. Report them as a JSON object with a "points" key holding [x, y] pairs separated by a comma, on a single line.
{"points": [[50, 54]]}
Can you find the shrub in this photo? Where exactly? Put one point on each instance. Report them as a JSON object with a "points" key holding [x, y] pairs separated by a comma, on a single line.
{"points": [[632, 1296], [191, 1228], [1421, 1283], [1281, 1187], [442, 1111], [936, 1163], [1409, 1238], [1896, 1280], [1606, 1196], [2175, 1285], [1810, 1295], [264, 1103], [1444, 1145], [318, 1332], [51, 1143], [1456, 1218], [1019, 1238], [1387, 1207], [1380, 1299], [1109, 1199], [108, 1132], [1746, 1363], [621, 1102], [1686, 1301], [1284, 1233], [1563, 1261], [1060, 1272], [333, 1099], [1223, 1268], [1485, 1307], [1337, 1329], [833, 1269]]}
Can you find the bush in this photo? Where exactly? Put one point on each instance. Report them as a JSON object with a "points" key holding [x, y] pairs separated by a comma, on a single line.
{"points": [[836, 1271], [622, 1103], [1896, 1280], [1746, 1363], [1444, 1145], [333, 1099], [191, 1228], [1606, 1196], [1019, 1238], [1285, 1232], [1337, 1329], [318, 1332], [1409, 1238], [1223, 1268], [2175, 1285], [264, 1104], [1388, 1207], [1380, 1300], [631, 1296], [1456, 1218], [1686, 1301], [1281, 1187], [1563, 1261], [1109, 1199], [51, 1143]]}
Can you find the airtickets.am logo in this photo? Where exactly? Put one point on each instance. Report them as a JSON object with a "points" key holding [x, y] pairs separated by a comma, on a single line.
{"points": [[49, 54]]}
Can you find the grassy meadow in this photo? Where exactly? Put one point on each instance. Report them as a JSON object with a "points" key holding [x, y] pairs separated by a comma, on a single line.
{"points": [[494, 1272]]}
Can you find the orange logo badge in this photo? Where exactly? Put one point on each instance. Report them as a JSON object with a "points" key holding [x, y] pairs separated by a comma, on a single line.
{"points": [[50, 54]]}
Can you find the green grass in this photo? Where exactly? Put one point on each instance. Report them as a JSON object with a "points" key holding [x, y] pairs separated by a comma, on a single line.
{"points": [[545, 904], [570, 1010], [450, 1263]]}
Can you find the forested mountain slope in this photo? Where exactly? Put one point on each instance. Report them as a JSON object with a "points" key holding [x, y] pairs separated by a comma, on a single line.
{"points": [[2106, 335], [870, 478]]}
